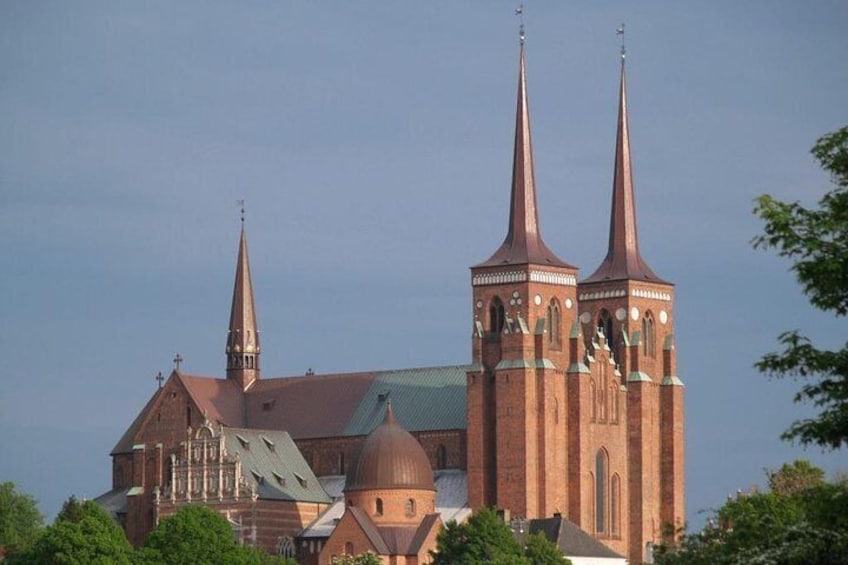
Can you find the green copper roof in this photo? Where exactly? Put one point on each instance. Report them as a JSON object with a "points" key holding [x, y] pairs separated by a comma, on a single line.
{"points": [[672, 381], [638, 376], [272, 462], [431, 398], [525, 364]]}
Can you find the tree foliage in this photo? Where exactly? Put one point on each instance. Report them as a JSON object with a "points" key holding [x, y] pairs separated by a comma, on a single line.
{"points": [[20, 520], [804, 525], [86, 536], [366, 558], [794, 477], [484, 538], [816, 241], [197, 535]]}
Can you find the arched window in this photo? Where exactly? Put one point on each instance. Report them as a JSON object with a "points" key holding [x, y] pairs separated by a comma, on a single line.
{"points": [[349, 548], [378, 507], [594, 395], [496, 316], [615, 506], [601, 481], [554, 324], [605, 326], [613, 405], [648, 334], [409, 507], [441, 457]]}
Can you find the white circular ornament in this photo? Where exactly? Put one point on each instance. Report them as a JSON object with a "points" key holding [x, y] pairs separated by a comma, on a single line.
{"points": [[586, 317], [621, 314], [515, 294], [479, 304], [512, 301], [518, 301], [537, 300], [634, 313], [568, 303], [663, 317]]}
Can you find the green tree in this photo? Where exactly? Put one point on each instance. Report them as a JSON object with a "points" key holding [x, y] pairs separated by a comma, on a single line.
{"points": [[197, 535], [794, 477], [806, 526], [541, 551], [20, 520], [366, 558], [816, 241], [90, 536], [484, 538]]}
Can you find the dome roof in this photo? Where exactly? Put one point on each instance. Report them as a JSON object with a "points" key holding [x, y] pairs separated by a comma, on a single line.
{"points": [[390, 458]]}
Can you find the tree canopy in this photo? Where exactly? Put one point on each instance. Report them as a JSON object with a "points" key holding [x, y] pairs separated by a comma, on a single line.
{"points": [[87, 535], [20, 520], [197, 535], [816, 241], [806, 524], [485, 538]]}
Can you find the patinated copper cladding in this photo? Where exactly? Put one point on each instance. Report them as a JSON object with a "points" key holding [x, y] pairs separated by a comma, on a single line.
{"points": [[243, 334], [390, 458], [523, 243], [623, 260]]}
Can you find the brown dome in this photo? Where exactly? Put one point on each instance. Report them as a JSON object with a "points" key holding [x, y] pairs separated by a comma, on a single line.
{"points": [[390, 458]]}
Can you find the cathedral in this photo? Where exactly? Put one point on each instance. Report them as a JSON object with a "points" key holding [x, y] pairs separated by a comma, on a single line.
{"points": [[570, 408]]}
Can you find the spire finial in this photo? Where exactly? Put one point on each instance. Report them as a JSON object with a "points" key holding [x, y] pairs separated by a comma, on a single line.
{"points": [[240, 204], [178, 360], [159, 378], [520, 13], [620, 31]]}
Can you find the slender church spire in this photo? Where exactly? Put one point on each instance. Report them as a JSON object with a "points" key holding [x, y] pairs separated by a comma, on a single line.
{"points": [[523, 243], [243, 335], [623, 260]]}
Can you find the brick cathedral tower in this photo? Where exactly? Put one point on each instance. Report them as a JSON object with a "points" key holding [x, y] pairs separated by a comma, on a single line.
{"points": [[243, 334], [632, 308], [524, 298]]}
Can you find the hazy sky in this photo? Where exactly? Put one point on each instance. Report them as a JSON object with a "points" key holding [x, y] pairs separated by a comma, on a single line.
{"points": [[373, 144]]}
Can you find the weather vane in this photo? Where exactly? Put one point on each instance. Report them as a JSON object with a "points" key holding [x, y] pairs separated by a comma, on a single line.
{"points": [[620, 31], [240, 204], [520, 13]]}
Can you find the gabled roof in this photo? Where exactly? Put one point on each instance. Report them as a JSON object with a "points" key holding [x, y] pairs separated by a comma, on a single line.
{"points": [[272, 463], [220, 400], [352, 404], [571, 540], [127, 440], [316, 406]]}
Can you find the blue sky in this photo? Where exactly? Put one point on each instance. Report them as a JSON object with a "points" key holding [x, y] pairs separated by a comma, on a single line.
{"points": [[372, 142]]}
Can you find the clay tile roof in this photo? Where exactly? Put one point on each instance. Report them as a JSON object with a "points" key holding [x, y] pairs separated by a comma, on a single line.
{"points": [[127, 440], [306, 407], [390, 458], [523, 243], [220, 400]]}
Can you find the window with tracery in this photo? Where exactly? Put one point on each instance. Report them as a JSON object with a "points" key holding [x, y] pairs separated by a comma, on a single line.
{"points": [[496, 316], [649, 334], [601, 481]]}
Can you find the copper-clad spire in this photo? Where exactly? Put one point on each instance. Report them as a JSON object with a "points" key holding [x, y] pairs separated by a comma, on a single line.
{"points": [[523, 243], [243, 336], [623, 260]]}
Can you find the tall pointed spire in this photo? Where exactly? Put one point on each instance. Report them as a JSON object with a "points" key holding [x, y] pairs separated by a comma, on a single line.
{"points": [[523, 243], [623, 260], [243, 335]]}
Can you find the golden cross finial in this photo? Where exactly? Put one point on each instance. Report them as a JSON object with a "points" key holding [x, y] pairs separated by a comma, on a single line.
{"points": [[620, 31], [520, 13]]}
